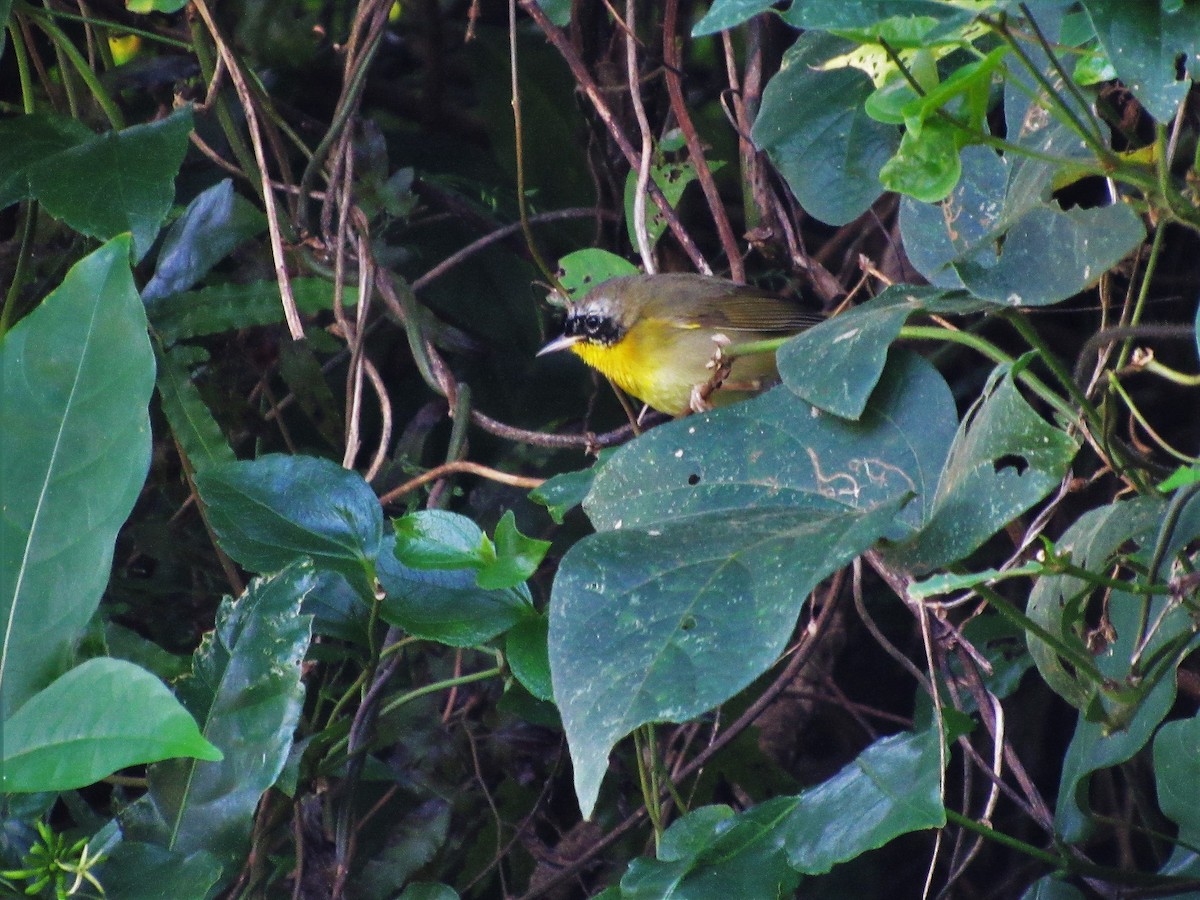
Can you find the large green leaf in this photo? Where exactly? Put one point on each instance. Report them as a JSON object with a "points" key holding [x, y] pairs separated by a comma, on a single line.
{"points": [[139, 871], [649, 623], [1051, 254], [116, 182], [74, 448], [103, 715], [1147, 43], [26, 140], [1177, 774], [937, 234], [813, 127], [724, 14], [246, 691], [892, 788], [836, 364], [1005, 458], [777, 451], [276, 509]]}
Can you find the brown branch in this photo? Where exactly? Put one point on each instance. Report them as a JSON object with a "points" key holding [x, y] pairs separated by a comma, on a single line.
{"points": [[460, 467], [673, 60], [587, 84]]}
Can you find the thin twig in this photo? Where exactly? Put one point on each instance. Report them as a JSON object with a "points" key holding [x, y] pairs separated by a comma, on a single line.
{"points": [[461, 467]]}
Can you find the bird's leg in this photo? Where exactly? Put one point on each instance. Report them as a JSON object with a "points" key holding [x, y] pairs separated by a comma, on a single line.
{"points": [[720, 364]]}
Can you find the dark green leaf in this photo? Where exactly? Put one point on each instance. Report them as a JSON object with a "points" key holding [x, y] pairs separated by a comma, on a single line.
{"points": [[199, 436], [103, 715], [776, 451], [245, 690], [1146, 42], [410, 844], [1089, 543], [138, 871], [672, 179], [214, 224], [1177, 776], [277, 509], [1050, 254], [937, 234], [447, 606], [74, 447], [119, 181], [892, 788], [528, 657], [563, 493], [27, 140], [1004, 459], [664, 622], [422, 890], [813, 127], [228, 307], [836, 364]]}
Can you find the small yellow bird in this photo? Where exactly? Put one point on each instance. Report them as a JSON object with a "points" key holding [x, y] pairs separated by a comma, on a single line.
{"points": [[657, 336]]}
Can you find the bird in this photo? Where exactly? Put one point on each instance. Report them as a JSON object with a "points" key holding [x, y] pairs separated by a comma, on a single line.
{"points": [[660, 338]]}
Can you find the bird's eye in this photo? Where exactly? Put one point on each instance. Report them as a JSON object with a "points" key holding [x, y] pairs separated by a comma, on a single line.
{"points": [[591, 323]]}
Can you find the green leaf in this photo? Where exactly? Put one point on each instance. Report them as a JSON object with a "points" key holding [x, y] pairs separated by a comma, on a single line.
{"points": [[1054, 603], [776, 451], [714, 529], [199, 436], [436, 539], [517, 556], [424, 890], [119, 181], [1115, 727], [1050, 254], [1177, 776], [1145, 42], [937, 234], [836, 364], [652, 625], [672, 179], [821, 14], [409, 845], [813, 127], [926, 164], [246, 691], [214, 224], [145, 7], [582, 270], [712, 854], [1005, 454], [103, 715], [277, 509], [447, 605], [893, 788], [74, 449], [229, 307], [528, 656], [564, 492], [139, 871], [27, 140]]}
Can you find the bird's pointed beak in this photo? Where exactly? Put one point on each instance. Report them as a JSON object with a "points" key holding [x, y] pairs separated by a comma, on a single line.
{"points": [[560, 343]]}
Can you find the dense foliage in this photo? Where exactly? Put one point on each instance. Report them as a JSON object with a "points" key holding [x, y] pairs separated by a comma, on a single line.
{"points": [[316, 583]]}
